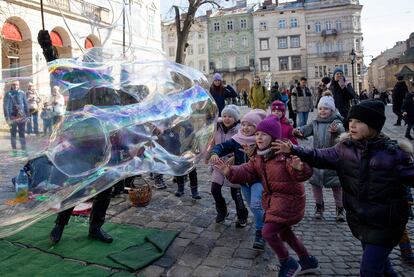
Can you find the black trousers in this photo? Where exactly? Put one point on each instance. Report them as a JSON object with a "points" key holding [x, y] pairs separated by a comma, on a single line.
{"points": [[221, 206], [97, 218], [192, 176]]}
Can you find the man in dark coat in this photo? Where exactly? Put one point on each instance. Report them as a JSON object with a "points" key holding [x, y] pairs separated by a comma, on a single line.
{"points": [[398, 96], [342, 92]]}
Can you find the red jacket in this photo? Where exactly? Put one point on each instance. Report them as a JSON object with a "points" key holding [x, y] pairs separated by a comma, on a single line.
{"points": [[287, 130], [284, 194]]}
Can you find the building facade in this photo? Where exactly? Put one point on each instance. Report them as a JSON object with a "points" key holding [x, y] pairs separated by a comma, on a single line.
{"points": [[231, 44], [333, 29], [280, 42], [196, 54]]}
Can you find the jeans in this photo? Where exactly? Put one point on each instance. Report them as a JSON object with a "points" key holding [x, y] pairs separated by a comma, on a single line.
{"points": [[375, 261], [302, 118], [35, 118], [47, 126], [253, 196], [13, 131]]}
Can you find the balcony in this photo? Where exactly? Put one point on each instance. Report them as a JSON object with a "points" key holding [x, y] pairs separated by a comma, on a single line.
{"points": [[88, 10], [62, 4], [327, 33], [334, 54], [243, 68]]}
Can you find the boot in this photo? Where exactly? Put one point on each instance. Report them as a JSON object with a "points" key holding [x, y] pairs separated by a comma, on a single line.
{"points": [[259, 242], [180, 190], [194, 193], [340, 214], [222, 212], [99, 234], [56, 233], [407, 254], [319, 209]]}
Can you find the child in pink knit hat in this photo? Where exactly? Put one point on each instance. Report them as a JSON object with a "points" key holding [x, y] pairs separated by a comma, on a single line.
{"points": [[279, 108], [283, 197]]}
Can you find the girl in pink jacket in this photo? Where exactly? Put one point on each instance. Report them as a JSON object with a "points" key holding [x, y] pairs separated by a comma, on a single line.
{"points": [[283, 196], [279, 109]]}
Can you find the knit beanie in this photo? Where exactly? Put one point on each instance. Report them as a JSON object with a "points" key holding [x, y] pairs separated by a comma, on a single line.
{"points": [[271, 126], [371, 112], [254, 116], [326, 80], [231, 110], [327, 102], [217, 77], [336, 70], [278, 105]]}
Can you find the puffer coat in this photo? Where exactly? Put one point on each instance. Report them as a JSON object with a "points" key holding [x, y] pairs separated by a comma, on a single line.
{"points": [[322, 138], [372, 175], [283, 196]]}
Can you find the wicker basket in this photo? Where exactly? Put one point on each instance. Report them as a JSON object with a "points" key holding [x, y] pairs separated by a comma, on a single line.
{"points": [[140, 195]]}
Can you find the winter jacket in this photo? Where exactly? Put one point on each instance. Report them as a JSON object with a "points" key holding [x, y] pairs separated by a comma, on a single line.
{"points": [[221, 136], [274, 93], [408, 107], [15, 105], [302, 100], [372, 175], [33, 101], [398, 96], [322, 138], [240, 157], [259, 97], [287, 130], [283, 197], [219, 97], [342, 97]]}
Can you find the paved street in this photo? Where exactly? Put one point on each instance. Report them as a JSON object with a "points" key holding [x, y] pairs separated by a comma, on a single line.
{"points": [[204, 248]]}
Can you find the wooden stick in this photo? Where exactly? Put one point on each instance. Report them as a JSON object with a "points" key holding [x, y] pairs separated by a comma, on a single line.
{"points": [[41, 13]]}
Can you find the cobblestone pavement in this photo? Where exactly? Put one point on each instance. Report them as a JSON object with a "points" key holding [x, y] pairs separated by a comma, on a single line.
{"points": [[204, 248]]}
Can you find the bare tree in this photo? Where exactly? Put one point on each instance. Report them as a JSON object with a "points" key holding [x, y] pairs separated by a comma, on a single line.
{"points": [[183, 25]]}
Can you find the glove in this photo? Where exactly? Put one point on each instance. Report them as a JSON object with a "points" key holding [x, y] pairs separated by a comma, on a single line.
{"points": [[43, 38]]}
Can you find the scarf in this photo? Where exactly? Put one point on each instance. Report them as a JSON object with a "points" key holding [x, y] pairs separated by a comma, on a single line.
{"points": [[242, 139]]}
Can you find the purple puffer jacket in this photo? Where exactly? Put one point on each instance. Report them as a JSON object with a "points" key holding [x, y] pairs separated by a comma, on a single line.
{"points": [[372, 174]]}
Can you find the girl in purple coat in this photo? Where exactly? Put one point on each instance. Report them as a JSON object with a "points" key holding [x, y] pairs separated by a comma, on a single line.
{"points": [[372, 170]]}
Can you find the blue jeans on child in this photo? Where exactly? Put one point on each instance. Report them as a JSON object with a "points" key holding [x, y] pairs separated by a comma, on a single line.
{"points": [[253, 195], [302, 118], [375, 261], [34, 117]]}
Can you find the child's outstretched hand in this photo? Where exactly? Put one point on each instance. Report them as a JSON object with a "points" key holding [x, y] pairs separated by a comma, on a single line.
{"points": [[222, 166], [298, 133], [333, 128], [213, 159], [279, 147], [248, 150], [297, 163]]}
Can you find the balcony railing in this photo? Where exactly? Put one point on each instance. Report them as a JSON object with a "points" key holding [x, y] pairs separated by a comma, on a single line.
{"points": [[333, 54], [89, 10], [331, 32], [62, 4]]}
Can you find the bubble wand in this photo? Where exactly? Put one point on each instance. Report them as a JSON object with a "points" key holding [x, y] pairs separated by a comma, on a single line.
{"points": [[41, 13]]}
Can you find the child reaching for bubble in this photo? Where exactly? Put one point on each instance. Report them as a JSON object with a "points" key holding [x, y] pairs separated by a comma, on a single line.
{"points": [[325, 129], [284, 198], [372, 170]]}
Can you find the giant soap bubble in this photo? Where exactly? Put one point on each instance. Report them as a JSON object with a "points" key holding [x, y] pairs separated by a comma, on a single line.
{"points": [[126, 114]]}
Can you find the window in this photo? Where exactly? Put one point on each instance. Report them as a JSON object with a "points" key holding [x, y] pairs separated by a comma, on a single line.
{"points": [[358, 45], [294, 23], [282, 42], [318, 47], [244, 42], [263, 26], [218, 44], [295, 41], [171, 37], [344, 68], [338, 25], [219, 64], [171, 51], [358, 67], [231, 42], [190, 50], [318, 27], [216, 26], [202, 66], [283, 63], [243, 24], [296, 63], [328, 25], [200, 35], [232, 62], [265, 64], [320, 71], [14, 67], [230, 25], [340, 46], [201, 49], [282, 24], [264, 44], [151, 25], [244, 60]]}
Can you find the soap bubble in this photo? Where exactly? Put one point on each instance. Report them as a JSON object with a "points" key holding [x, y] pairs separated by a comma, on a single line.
{"points": [[125, 114]]}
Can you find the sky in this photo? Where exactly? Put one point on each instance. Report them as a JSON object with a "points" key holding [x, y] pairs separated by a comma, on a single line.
{"points": [[383, 22]]}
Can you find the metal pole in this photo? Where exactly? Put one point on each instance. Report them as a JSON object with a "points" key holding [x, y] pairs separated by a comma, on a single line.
{"points": [[41, 13], [123, 27], [353, 74]]}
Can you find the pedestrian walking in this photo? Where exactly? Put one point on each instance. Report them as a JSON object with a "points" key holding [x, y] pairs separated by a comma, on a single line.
{"points": [[302, 102], [325, 129], [258, 95], [407, 109], [220, 92], [283, 197], [373, 171], [398, 96], [33, 101]]}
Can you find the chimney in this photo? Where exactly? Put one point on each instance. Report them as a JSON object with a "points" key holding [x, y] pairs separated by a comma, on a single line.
{"points": [[209, 12]]}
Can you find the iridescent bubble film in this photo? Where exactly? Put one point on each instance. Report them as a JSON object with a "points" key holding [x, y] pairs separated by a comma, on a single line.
{"points": [[123, 115]]}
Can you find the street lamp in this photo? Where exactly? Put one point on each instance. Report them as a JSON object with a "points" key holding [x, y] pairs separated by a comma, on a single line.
{"points": [[353, 56]]}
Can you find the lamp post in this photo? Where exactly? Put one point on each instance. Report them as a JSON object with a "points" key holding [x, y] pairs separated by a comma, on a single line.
{"points": [[353, 55]]}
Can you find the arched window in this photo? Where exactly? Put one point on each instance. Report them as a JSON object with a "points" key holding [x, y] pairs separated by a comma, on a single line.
{"points": [[11, 31], [88, 43], [56, 39]]}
